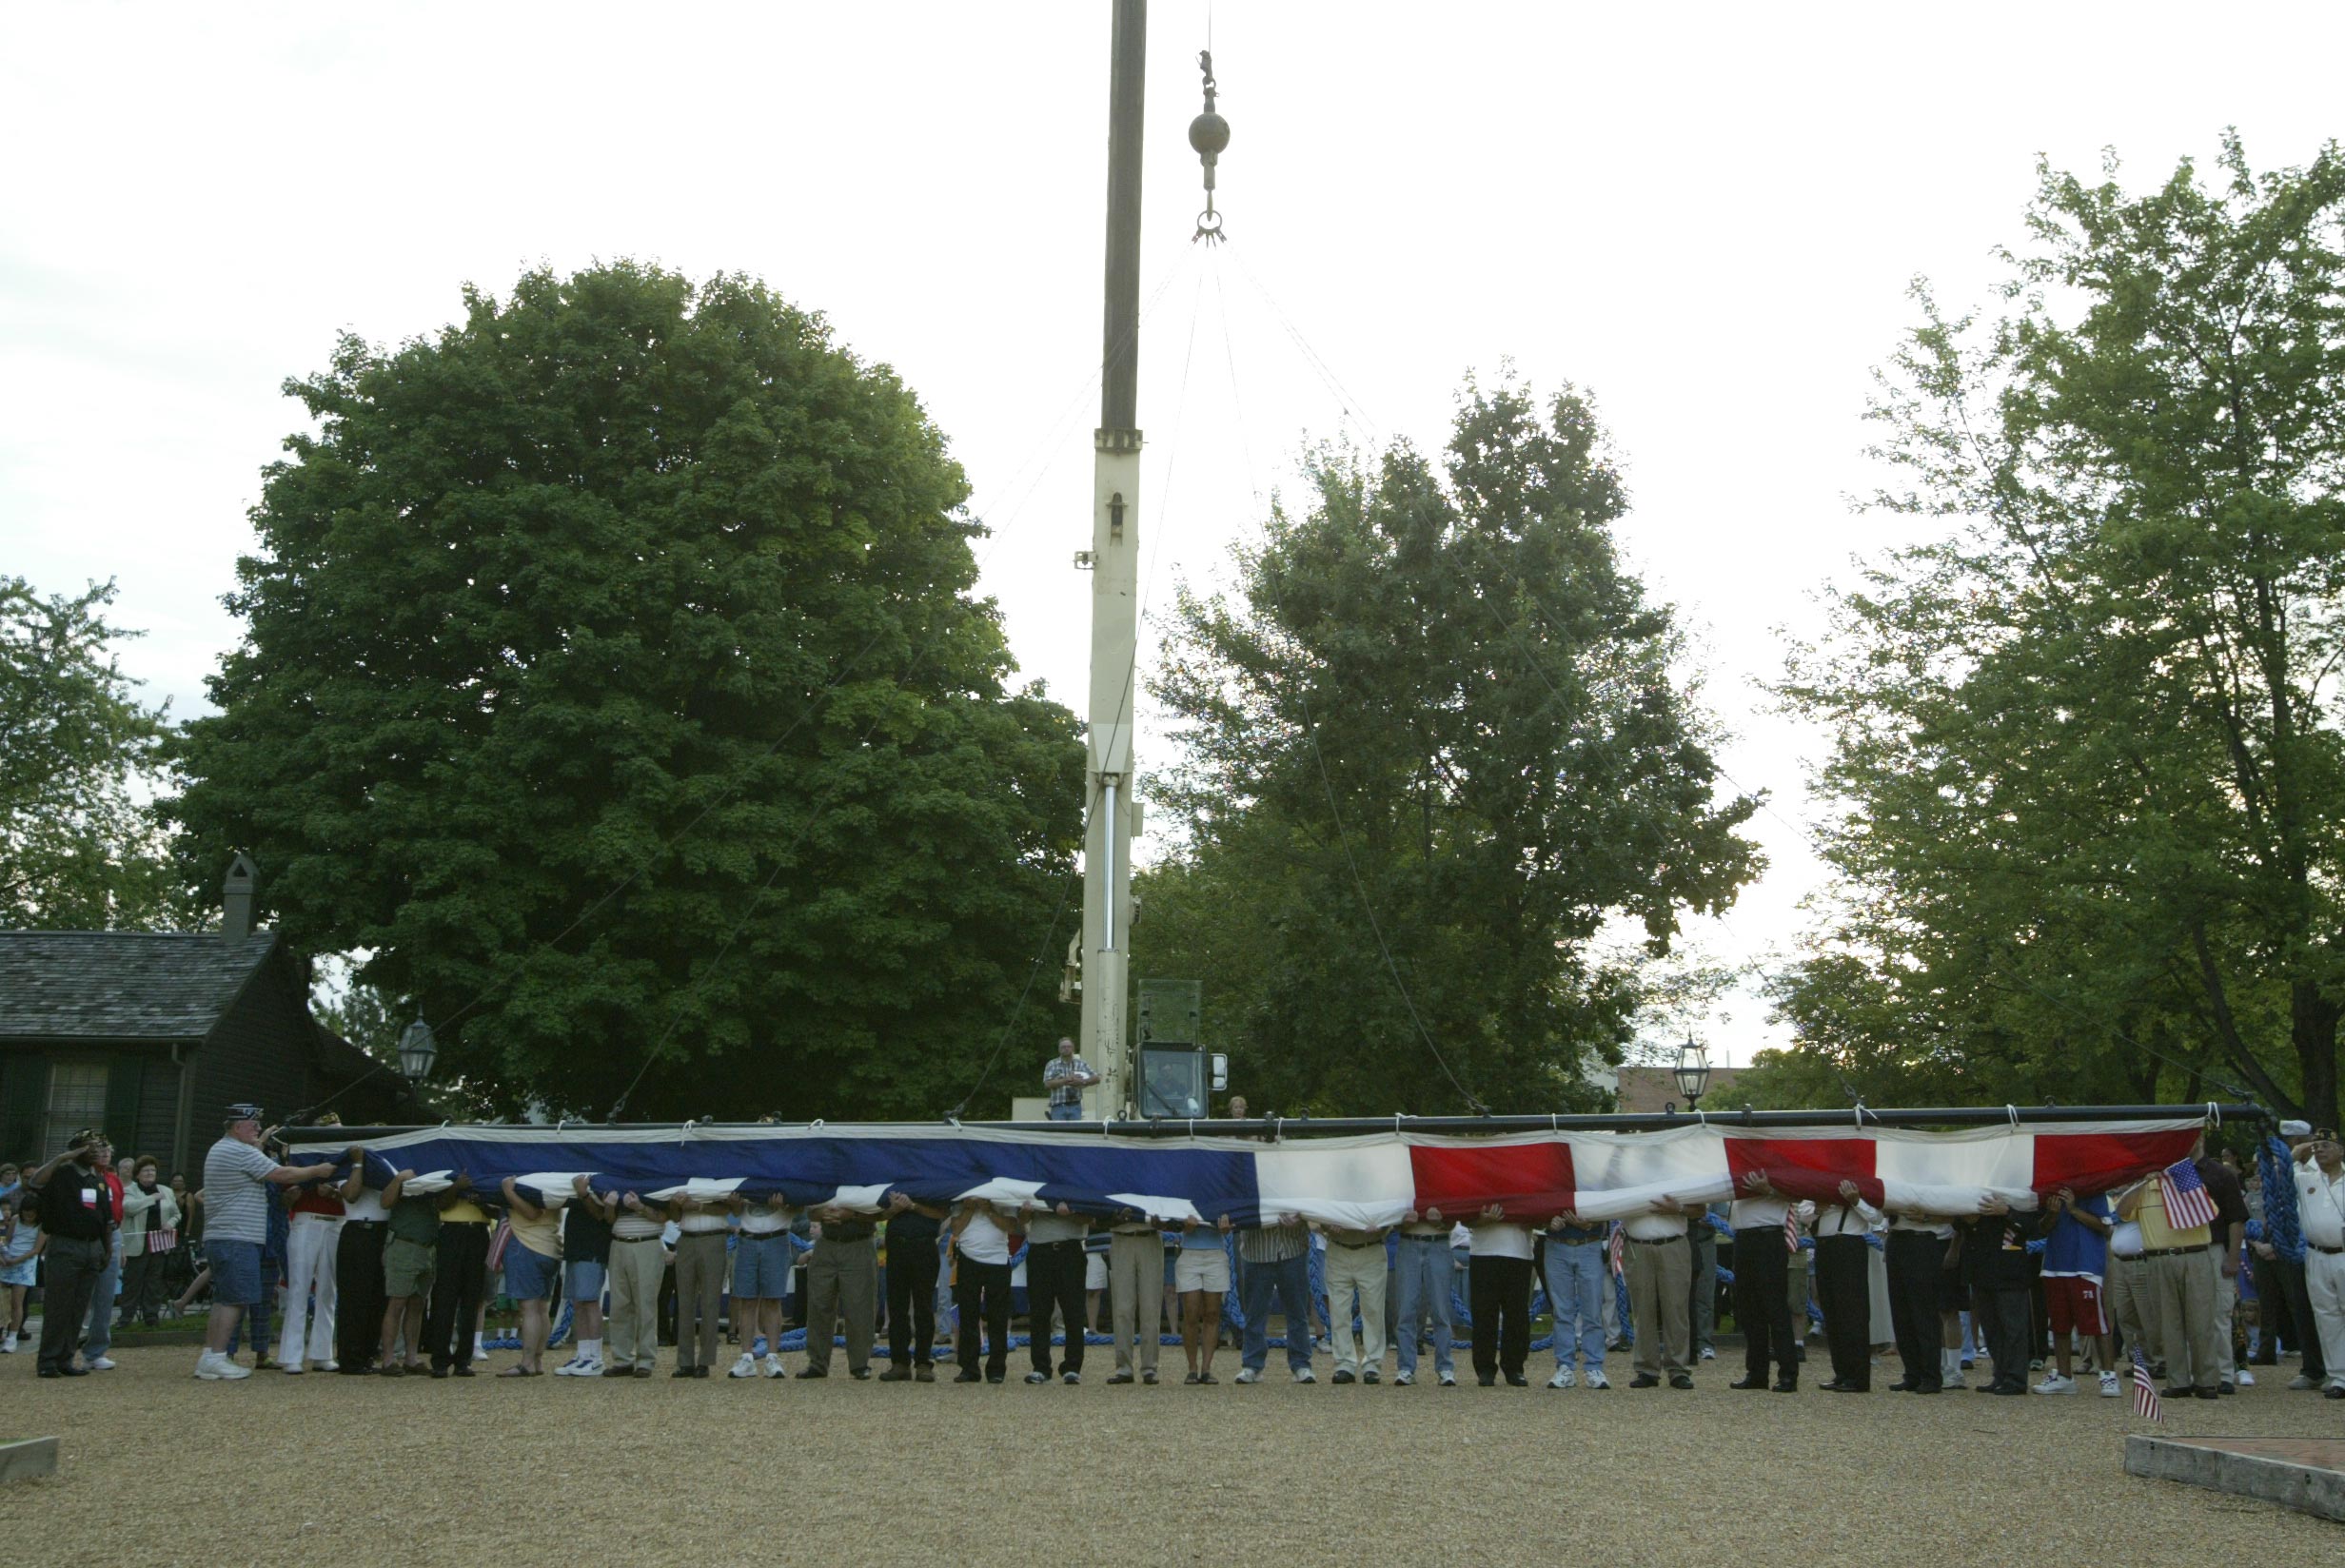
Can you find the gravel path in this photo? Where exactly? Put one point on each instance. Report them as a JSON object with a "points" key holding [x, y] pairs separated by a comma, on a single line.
{"points": [[416, 1472]]}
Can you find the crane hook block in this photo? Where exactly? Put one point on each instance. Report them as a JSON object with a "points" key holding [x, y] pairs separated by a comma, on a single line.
{"points": [[1209, 133]]}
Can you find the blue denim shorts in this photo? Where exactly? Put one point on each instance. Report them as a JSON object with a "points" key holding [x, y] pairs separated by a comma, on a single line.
{"points": [[529, 1275], [235, 1271], [762, 1268], [583, 1281]]}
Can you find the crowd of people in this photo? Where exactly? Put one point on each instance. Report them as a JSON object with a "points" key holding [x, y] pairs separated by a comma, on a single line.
{"points": [[393, 1275]]}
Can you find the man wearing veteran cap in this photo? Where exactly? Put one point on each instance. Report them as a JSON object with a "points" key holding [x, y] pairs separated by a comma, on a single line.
{"points": [[236, 1177]]}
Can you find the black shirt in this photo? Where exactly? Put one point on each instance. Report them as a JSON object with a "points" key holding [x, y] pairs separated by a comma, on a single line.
{"points": [[849, 1230], [585, 1235], [910, 1229], [2223, 1189], [76, 1205]]}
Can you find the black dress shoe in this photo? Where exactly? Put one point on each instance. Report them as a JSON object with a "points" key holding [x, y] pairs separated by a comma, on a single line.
{"points": [[1645, 1379], [1905, 1385], [814, 1371], [439, 1371], [1487, 1383], [966, 1376], [1748, 1382], [2333, 1392], [860, 1374], [699, 1371], [1836, 1387], [1830, 1385], [464, 1371], [681, 1372], [1682, 1380], [2206, 1393], [1788, 1385], [1516, 1380]]}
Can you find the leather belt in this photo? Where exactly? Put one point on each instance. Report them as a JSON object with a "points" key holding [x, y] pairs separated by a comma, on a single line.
{"points": [[2172, 1251], [1653, 1240]]}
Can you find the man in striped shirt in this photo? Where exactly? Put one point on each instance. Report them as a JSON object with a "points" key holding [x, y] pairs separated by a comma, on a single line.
{"points": [[1276, 1260]]}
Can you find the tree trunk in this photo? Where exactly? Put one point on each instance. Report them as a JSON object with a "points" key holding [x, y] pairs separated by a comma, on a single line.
{"points": [[2312, 1029]]}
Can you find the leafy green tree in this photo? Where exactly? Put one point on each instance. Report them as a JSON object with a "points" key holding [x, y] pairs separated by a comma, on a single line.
{"points": [[1436, 719], [79, 848], [2086, 744], [612, 678]]}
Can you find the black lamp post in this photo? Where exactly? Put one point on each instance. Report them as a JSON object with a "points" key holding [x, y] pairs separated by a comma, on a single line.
{"points": [[1693, 1071]]}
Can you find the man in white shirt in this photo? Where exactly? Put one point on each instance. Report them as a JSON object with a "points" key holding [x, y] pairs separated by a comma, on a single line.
{"points": [[1916, 1258], [2320, 1213], [1055, 1280], [1844, 1280], [1498, 1296], [1661, 1265], [1762, 1287]]}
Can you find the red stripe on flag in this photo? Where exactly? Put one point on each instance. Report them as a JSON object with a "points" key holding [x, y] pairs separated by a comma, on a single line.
{"points": [[2095, 1162], [1531, 1182], [1805, 1168]]}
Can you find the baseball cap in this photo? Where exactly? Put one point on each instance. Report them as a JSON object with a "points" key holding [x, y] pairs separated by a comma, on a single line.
{"points": [[243, 1111], [2295, 1130]]}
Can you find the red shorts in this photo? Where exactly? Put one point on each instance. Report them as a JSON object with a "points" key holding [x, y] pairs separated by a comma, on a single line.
{"points": [[2073, 1301]]}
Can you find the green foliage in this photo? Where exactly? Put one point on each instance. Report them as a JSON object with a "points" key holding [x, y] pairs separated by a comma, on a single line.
{"points": [[612, 677], [1443, 681], [2086, 744], [79, 850]]}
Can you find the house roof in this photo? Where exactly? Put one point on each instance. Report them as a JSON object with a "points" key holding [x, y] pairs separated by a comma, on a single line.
{"points": [[159, 985]]}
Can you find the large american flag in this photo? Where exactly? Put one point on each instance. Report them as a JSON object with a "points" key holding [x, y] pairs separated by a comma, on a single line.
{"points": [[2187, 1203]]}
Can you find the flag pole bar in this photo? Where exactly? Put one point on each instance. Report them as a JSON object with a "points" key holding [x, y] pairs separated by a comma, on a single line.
{"points": [[1735, 1122]]}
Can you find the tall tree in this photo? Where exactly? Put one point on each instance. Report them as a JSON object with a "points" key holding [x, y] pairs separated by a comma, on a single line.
{"points": [[79, 846], [2087, 744], [1432, 746], [612, 678]]}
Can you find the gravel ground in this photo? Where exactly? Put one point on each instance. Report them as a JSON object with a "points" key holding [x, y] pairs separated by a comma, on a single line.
{"points": [[159, 1469]]}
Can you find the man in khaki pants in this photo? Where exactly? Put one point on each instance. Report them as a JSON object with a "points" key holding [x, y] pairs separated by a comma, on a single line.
{"points": [[842, 1281], [639, 1262], [1660, 1274], [2177, 1295], [1136, 1285], [1356, 1262]]}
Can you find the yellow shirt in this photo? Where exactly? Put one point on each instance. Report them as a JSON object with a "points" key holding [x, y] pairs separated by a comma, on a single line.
{"points": [[463, 1212], [2156, 1233]]}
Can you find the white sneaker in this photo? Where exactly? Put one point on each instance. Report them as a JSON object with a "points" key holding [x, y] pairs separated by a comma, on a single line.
{"points": [[1596, 1379], [2054, 1384], [1563, 1378], [745, 1367], [1304, 1374], [1958, 1380], [292, 1368], [774, 1367], [2247, 1379], [329, 1366], [1247, 1374], [216, 1368], [1404, 1379], [7, 1342], [104, 1364], [580, 1366], [2112, 1388], [1708, 1354], [1448, 1379]]}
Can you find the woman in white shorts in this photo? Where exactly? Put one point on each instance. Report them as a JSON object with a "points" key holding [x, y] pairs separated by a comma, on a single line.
{"points": [[1201, 1274]]}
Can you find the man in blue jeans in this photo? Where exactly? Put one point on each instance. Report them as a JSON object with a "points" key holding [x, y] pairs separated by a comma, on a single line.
{"points": [[1425, 1279], [1577, 1279], [1065, 1080], [1276, 1260]]}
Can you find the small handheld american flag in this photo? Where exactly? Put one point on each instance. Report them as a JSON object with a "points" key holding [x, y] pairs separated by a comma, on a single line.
{"points": [[1618, 1249], [1791, 1230], [2145, 1390], [2187, 1203]]}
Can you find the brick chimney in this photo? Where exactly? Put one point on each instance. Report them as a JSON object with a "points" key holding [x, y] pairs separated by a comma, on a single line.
{"points": [[236, 899]]}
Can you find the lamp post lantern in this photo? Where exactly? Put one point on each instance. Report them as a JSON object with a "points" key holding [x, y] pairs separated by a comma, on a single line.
{"points": [[418, 1050], [1693, 1071]]}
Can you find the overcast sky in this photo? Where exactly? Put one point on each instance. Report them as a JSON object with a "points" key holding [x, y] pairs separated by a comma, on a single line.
{"points": [[1705, 215]]}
